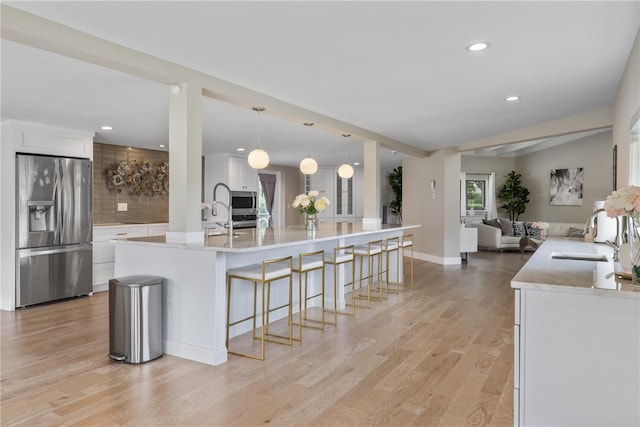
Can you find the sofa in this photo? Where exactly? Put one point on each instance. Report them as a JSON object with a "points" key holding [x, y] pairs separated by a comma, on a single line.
{"points": [[492, 238]]}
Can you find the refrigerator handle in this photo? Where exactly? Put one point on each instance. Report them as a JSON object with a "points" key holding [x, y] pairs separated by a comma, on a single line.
{"points": [[57, 191]]}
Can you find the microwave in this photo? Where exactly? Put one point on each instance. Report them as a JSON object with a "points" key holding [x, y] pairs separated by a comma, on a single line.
{"points": [[244, 209]]}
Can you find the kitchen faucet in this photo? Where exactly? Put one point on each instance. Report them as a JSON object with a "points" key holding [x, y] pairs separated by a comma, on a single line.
{"points": [[214, 207], [615, 245]]}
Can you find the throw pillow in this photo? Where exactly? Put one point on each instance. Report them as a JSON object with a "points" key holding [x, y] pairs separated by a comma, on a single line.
{"points": [[533, 231], [518, 229], [492, 222], [576, 232], [507, 227]]}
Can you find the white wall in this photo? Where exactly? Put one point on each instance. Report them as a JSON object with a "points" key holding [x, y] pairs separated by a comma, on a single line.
{"points": [[438, 240], [625, 107], [592, 153]]}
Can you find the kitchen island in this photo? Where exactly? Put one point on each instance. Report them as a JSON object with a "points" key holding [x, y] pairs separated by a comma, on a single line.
{"points": [[195, 295], [576, 338]]}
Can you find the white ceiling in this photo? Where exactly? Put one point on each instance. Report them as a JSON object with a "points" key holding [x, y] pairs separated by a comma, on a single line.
{"points": [[395, 68]]}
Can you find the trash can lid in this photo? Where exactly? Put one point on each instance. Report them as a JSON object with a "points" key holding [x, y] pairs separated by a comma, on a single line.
{"points": [[136, 280]]}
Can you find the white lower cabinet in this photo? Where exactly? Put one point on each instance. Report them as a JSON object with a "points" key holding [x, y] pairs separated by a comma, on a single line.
{"points": [[576, 359], [104, 252]]}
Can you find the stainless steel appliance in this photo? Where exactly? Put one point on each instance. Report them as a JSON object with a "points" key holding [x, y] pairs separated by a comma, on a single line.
{"points": [[244, 212], [54, 228]]}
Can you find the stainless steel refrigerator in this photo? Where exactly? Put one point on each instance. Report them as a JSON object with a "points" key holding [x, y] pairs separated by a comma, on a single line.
{"points": [[54, 228]]}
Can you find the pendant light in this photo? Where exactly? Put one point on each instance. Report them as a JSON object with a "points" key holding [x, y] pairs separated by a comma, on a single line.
{"points": [[258, 158], [346, 170], [308, 166]]}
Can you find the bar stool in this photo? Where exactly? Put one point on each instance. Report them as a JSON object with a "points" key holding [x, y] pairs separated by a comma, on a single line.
{"points": [[407, 242], [342, 255], [392, 244], [308, 262], [371, 251], [264, 273]]}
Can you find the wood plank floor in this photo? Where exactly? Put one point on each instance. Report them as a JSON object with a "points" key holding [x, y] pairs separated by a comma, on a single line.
{"points": [[438, 354]]}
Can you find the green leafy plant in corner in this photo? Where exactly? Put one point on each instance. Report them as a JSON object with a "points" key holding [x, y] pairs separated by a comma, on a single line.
{"points": [[395, 181], [514, 196]]}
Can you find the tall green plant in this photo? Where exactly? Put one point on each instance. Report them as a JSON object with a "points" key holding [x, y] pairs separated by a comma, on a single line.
{"points": [[395, 181], [514, 196]]}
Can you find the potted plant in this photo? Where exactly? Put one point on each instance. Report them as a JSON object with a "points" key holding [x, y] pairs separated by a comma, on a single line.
{"points": [[514, 196], [395, 182]]}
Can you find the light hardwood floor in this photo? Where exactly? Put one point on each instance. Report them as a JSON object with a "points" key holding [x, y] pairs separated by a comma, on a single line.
{"points": [[438, 354]]}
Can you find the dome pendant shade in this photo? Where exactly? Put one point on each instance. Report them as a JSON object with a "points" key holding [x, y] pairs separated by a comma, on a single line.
{"points": [[345, 171], [308, 166], [258, 159]]}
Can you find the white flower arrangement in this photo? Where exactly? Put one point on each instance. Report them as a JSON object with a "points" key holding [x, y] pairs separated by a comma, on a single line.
{"points": [[625, 201], [310, 203], [205, 205]]}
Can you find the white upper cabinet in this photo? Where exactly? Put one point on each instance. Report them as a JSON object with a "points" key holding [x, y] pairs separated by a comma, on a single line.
{"points": [[230, 170], [344, 205], [323, 181], [242, 177], [345, 195]]}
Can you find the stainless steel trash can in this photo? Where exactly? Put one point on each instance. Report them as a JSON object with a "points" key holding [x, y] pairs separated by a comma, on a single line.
{"points": [[135, 318]]}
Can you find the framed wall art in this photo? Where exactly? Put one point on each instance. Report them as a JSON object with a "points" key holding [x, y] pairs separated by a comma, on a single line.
{"points": [[565, 187]]}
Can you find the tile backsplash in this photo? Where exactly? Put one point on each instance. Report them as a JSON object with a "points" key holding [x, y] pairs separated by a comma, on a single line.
{"points": [[106, 201]]}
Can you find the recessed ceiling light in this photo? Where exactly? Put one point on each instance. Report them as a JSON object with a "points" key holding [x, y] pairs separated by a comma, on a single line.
{"points": [[240, 149], [356, 163], [106, 128], [512, 98], [475, 47], [162, 145]]}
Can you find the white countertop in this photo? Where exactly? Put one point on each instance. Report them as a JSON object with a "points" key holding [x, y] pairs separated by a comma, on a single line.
{"points": [[252, 239], [578, 276], [128, 224]]}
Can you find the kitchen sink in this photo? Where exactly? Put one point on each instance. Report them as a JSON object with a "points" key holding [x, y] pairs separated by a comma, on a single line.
{"points": [[224, 233], [579, 256]]}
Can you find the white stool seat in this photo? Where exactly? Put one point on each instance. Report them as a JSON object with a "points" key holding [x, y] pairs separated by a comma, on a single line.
{"points": [[365, 250], [329, 259], [309, 263], [254, 271], [407, 243], [386, 246]]}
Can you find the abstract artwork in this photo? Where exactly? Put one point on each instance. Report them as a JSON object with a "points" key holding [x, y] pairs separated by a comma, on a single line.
{"points": [[565, 187]]}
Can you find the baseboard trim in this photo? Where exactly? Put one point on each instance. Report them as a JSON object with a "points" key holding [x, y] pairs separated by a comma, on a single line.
{"points": [[437, 260], [199, 354]]}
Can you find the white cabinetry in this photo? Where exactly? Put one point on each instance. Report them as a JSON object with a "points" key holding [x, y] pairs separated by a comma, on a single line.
{"points": [[345, 195], [576, 358], [231, 170], [104, 252], [323, 181], [344, 208], [242, 176]]}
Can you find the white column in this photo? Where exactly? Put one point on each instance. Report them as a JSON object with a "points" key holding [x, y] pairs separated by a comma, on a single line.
{"points": [[372, 208], [185, 163]]}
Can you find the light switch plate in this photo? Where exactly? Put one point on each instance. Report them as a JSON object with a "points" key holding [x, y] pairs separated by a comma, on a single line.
{"points": [[122, 207]]}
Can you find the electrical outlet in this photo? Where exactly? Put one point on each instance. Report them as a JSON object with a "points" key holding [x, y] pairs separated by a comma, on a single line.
{"points": [[122, 207]]}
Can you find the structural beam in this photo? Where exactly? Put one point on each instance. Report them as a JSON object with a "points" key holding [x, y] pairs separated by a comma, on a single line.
{"points": [[31, 30]]}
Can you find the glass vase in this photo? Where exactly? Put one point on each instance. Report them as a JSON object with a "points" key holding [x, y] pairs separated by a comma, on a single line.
{"points": [[633, 248], [310, 222]]}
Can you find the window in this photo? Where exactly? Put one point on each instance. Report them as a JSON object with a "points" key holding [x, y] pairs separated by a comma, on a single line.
{"points": [[476, 194]]}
